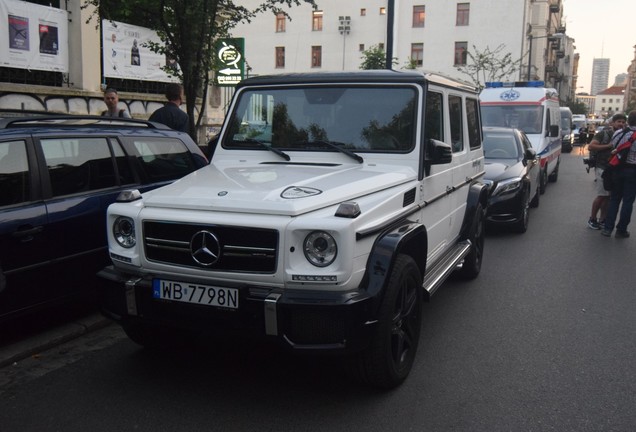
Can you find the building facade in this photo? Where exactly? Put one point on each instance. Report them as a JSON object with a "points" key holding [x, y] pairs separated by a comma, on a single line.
{"points": [[609, 102], [427, 35], [600, 75]]}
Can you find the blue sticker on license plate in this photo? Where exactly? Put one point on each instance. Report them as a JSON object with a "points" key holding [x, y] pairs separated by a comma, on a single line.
{"points": [[187, 292]]}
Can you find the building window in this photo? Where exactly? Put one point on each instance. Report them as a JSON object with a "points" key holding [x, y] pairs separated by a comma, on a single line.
{"points": [[361, 47], [461, 51], [363, 12], [316, 21], [280, 57], [281, 21], [419, 13], [382, 11], [316, 56], [463, 13], [417, 54], [611, 100]]}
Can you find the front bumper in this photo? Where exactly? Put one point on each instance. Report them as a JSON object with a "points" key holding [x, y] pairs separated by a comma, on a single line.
{"points": [[506, 209], [302, 320]]}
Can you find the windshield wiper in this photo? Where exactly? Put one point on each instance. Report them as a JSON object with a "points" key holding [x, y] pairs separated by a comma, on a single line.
{"points": [[269, 147], [337, 145]]}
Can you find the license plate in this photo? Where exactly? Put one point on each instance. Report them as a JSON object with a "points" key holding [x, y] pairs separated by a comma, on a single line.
{"points": [[194, 293]]}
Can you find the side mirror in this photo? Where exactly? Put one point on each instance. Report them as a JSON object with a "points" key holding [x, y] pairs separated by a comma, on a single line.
{"points": [[554, 130], [438, 152], [530, 154]]}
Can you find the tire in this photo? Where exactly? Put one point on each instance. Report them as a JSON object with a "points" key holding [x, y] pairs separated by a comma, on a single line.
{"points": [[472, 262], [543, 181], [535, 200], [388, 360], [555, 174], [521, 226]]}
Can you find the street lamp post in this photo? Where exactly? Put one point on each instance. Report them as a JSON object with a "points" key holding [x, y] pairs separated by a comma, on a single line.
{"points": [[344, 28]]}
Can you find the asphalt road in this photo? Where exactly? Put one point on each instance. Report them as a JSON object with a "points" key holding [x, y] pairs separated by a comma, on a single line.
{"points": [[543, 340]]}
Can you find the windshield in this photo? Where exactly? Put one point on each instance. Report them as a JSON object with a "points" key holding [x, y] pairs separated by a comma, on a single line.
{"points": [[500, 145], [566, 123], [528, 118], [361, 119]]}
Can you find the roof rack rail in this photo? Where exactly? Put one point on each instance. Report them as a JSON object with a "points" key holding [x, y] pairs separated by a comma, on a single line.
{"points": [[76, 121]]}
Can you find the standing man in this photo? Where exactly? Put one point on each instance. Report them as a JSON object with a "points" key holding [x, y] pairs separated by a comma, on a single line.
{"points": [[111, 99], [170, 114], [602, 146], [624, 188]]}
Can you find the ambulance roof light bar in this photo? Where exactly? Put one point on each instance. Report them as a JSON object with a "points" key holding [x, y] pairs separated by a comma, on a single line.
{"points": [[500, 84]]}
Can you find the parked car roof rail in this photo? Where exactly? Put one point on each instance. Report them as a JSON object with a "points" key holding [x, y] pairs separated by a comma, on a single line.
{"points": [[77, 121]]}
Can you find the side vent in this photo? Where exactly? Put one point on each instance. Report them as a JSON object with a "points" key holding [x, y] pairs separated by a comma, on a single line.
{"points": [[409, 198]]}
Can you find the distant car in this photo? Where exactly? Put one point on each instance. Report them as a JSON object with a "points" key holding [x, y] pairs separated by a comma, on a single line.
{"points": [[567, 134], [58, 174], [512, 170]]}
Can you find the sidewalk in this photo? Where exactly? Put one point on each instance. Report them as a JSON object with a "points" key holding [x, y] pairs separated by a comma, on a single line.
{"points": [[42, 341]]}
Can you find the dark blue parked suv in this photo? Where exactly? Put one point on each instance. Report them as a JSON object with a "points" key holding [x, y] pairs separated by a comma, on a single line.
{"points": [[57, 177]]}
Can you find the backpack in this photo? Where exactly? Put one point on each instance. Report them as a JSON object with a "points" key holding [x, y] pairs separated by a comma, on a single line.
{"points": [[618, 159], [623, 149]]}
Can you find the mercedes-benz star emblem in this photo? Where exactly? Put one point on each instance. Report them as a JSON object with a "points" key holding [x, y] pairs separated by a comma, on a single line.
{"points": [[205, 248]]}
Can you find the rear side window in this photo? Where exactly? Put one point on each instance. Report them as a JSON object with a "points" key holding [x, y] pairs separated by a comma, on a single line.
{"points": [[434, 117], [81, 164], [474, 130], [15, 181], [456, 123], [164, 158]]}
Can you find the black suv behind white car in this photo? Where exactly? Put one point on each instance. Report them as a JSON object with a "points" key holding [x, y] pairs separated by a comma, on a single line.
{"points": [[334, 204], [57, 177]]}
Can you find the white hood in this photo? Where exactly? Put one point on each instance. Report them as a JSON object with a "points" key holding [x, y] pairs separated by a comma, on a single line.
{"points": [[282, 189]]}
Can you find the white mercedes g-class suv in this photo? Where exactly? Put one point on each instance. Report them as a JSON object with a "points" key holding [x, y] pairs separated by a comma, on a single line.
{"points": [[334, 204]]}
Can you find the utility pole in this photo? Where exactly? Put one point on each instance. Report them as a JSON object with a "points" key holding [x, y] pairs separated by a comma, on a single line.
{"points": [[389, 34]]}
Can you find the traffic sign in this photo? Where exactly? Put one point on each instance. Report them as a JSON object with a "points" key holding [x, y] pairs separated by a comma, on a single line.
{"points": [[230, 62]]}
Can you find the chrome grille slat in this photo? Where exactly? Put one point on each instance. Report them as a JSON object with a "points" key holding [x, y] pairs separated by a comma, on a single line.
{"points": [[250, 250]]}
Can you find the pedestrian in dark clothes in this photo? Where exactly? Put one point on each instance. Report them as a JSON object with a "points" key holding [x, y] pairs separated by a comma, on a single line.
{"points": [[170, 114]]}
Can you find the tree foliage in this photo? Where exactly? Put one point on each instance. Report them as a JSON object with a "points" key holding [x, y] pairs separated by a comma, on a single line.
{"points": [[188, 30], [578, 107], [489, 65], [375, 58]]}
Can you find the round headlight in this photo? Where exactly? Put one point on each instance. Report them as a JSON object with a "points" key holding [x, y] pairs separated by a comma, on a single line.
{"points": [[320, 248], [124, 232]]}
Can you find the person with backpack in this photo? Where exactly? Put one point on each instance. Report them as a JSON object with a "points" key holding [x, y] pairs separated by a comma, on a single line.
{"points": [[624, 181], [600, 152], [111, 99]]}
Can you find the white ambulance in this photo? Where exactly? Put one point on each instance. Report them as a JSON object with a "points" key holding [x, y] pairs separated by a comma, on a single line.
{"points": [[533, 108]]}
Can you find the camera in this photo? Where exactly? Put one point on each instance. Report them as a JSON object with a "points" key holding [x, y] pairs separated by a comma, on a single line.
{"points": [[590, 162]]}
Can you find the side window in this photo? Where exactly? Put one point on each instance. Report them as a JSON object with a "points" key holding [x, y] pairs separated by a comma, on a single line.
{"points": [[15, 181], [78, 164], [164, 158], [472, 117], [434, 117], [456, 123]]}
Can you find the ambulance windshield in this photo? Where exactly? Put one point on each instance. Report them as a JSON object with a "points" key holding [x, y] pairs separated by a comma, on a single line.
{"points": [[528, 118]]}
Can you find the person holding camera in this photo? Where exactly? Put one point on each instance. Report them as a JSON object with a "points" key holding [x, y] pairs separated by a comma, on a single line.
{"points": [[600, 152]]}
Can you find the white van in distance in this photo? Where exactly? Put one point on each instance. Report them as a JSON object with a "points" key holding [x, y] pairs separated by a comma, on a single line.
{"points": [[533, 108]]}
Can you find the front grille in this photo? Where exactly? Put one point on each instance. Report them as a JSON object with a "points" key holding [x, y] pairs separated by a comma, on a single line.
{"points": [[250, 250]]}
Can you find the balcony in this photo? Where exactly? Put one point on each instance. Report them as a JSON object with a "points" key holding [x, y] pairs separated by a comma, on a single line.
{"points": [[555, 8]]}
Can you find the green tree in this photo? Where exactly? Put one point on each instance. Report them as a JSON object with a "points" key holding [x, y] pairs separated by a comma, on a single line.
{"points": [[488, 65], [578, 107], [375, 58], [188, 31]]}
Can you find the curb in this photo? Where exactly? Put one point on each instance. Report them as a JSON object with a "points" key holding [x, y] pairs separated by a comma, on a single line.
{"points": [[51, 338]]}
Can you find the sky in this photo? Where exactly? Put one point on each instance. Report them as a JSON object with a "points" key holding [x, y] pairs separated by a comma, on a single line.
{"points": [[601, 30]]}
